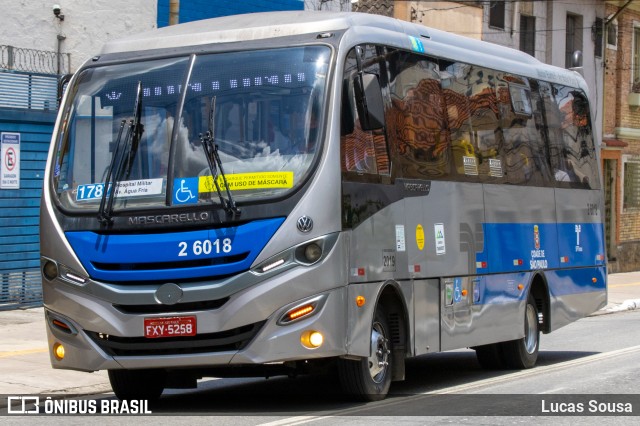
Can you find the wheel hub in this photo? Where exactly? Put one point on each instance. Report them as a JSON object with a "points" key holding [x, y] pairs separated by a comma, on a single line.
{"points": [[379, 358]]}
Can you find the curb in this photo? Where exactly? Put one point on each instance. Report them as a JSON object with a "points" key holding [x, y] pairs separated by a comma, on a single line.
{"points": [[627, 305]]}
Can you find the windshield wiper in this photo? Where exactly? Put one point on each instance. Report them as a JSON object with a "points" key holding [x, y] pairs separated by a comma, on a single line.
{"points": [[215, 163], [104, 217], [138, 129], [122, 151]]}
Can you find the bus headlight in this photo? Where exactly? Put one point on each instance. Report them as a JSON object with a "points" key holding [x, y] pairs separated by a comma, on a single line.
{"points": [[312, 252], [305, 254], [50, 270]]}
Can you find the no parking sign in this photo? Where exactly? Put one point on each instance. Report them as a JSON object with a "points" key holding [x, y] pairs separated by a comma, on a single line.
{"points": [[10, 156]]}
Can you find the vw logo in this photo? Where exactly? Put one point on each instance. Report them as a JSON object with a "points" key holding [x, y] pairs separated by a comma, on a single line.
{"points": [[305, 224]]}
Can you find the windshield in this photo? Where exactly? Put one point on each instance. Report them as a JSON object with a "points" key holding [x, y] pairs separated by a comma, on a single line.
{"points": [[263, 108]]}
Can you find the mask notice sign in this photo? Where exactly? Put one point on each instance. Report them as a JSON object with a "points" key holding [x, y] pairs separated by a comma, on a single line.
{"points": [[10, 156]]}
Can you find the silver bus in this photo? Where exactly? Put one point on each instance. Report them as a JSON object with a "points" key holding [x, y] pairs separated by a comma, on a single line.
{"points": [[301, 192]]}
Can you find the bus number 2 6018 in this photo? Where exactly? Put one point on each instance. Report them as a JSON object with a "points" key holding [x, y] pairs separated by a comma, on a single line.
{"points": [[204, 247]]}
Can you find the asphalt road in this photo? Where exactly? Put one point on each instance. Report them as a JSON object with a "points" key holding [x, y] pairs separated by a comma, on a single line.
{"points": [[590, 365]]}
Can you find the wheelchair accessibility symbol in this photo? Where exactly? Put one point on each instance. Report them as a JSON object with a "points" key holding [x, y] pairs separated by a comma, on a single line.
{"points": [[457, 290], [185, 190]]}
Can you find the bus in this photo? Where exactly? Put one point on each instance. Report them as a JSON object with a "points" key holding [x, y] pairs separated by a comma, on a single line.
{"points": [[302, 193]]}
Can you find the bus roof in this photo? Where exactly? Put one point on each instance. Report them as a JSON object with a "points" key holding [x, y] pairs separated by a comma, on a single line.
{"points": [[266, 25]]}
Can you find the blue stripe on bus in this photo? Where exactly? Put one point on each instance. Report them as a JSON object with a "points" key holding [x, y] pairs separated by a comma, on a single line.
{"points": [[132, 257], [503, 288], [512, 247]]}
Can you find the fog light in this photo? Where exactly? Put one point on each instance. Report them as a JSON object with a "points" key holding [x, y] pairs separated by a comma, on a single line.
{"points": [[311, 339], [58, 351], [50, 270], [312, 252]]}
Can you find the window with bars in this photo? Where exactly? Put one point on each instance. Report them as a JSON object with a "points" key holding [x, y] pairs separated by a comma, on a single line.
{"points": [[496, 14], [631, 197], [573, 38], [612, 34], [598, 30], [636, 55], [528, 34]]}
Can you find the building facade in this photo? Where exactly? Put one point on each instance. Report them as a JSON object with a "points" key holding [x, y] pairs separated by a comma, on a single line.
{"points": [[621, 132]]}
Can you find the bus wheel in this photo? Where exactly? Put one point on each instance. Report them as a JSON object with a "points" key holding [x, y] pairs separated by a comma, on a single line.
{"points": [[490, 356], [137, 384], [369, 379], [523, 353]]}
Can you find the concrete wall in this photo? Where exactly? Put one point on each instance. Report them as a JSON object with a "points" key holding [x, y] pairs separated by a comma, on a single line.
{"points": [[463, 19], [87, 24]]}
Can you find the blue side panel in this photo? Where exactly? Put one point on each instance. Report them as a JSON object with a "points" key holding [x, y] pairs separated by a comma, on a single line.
{"points": [[518, 246], [194, 10], [178, 255], [512, 247], [572, 281], [581, 244], [500, 289]]}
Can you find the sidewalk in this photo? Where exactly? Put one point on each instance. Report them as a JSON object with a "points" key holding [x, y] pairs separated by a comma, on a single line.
{"points": [[25, 368]]}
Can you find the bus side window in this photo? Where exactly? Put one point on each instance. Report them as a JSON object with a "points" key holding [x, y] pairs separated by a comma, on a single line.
{"points": [[574, 158], [485, 124], [455, 81], [362, 152], [525, 149], [476, 135], [416, 124]]}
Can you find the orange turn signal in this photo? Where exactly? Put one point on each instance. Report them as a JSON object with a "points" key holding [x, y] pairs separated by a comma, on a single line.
{"points": [[300, 312], [360, 301]]}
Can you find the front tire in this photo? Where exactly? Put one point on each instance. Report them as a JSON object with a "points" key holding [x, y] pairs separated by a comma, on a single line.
{"points": [[369, 379], [137, 384]]}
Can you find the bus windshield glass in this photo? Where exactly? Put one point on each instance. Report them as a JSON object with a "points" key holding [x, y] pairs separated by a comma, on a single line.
{"points": [[262, 110]]}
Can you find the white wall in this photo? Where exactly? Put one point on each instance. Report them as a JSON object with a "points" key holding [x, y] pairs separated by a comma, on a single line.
{"points": [[328, 5], [87, 24]]}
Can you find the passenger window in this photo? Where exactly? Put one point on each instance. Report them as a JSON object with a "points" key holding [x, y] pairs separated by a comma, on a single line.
{"points": [[416, 124], [472, 110], [485, 125], [455, 88], [573, 155], [362, 152], [525, 151]]}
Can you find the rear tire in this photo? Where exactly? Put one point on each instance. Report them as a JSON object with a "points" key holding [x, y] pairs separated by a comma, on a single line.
{"points": [[138, 384], [369, 379], [523, 353]]}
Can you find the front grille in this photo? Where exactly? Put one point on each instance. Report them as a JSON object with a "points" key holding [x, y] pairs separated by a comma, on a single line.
{"points": [[166, 309], [223, 341], [146, 266]]}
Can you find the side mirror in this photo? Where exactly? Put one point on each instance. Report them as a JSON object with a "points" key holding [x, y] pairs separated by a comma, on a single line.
{"points": [[369, 101], [62, 85]]}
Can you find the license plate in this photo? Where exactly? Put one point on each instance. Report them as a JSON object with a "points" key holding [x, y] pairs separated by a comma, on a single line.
{"points": [[169, 327]]}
